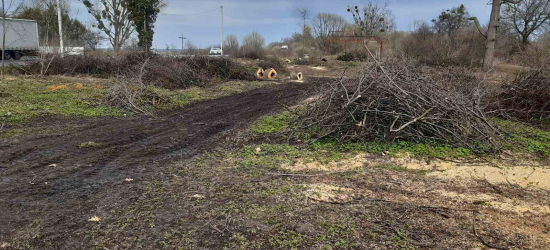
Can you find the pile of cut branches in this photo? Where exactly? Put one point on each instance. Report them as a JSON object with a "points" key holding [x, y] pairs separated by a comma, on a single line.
{"points": [[401, 102], [527, 97], [184, 72], [167, 72]]}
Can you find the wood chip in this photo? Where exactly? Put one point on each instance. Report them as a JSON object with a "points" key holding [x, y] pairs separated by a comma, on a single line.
{"points": [[94, 219], [198, 196]]}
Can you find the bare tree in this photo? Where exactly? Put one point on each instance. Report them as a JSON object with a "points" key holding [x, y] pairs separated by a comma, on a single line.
{"points": [[231, 44], [93, 38], [374, 18], [112, 18], [254, 42], [528, 17], [190, 48], [491, 33], [304, 14], [325, 23], [421, 30]]}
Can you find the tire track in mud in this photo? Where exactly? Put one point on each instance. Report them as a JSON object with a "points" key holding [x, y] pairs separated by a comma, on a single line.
{"points": [[128, 147]]}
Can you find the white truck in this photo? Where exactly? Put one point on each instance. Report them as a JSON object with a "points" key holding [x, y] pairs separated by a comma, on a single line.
{"points": [[21, 38]]}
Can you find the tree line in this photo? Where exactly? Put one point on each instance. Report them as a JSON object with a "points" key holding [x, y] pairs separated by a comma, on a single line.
{"points": [[513, 26]]}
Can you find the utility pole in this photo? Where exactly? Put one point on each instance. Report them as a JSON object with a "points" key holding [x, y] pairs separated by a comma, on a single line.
{"points": [[221, 28], [3, 37], [182, 38], [60, 22]]}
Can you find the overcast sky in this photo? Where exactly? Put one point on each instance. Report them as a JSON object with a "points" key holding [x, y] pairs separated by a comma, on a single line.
{"points": [[274, 19]]}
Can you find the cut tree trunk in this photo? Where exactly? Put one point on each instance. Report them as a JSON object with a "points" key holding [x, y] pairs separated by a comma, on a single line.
{"points": [[271, 74], [260, 73], [296, 76]]}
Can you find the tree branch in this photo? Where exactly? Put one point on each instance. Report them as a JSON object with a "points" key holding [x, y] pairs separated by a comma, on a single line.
{"points": [[511, 1], [478, 26]]}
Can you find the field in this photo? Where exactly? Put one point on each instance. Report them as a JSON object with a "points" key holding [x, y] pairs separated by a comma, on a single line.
{"points": [[215, 167]]}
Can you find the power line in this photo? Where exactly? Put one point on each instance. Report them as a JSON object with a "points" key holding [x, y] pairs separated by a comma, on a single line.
{"points": [[166, 14]]}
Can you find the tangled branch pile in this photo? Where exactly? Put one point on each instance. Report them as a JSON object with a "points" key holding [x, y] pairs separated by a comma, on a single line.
{"points": [[168, 72], [402, 103], [97, 64], [183, 72], [129, 90], [527, 97]]}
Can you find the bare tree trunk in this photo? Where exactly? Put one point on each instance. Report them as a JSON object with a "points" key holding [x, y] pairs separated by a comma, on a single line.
{"points": [[494, 23], [524, 42]]}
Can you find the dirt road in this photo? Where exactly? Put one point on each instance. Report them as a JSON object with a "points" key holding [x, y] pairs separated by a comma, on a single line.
{"points": [[53, 180]]}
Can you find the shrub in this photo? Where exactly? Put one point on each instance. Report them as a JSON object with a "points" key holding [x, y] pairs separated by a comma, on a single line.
{"points": [[536, 56], [346, 57], [357, 56], [466, 48], [312, 61], [302, 51]]}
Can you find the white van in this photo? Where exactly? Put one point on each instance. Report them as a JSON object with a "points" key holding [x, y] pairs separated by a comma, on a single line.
{"points": [[215, 52]]}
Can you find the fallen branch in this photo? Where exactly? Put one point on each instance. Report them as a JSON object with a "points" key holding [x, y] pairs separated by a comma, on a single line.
{"points": [[306, 175], [35, 176]]}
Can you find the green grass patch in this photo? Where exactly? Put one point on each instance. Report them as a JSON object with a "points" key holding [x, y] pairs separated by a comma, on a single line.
{"points": [[25, 98], [332, 150], [287, 240], [416, 150], [336, 236], [272, 124], [525, 139], [177, 98]]}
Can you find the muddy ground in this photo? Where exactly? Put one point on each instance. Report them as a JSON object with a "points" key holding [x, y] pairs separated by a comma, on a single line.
{"points": [[54, 181]]}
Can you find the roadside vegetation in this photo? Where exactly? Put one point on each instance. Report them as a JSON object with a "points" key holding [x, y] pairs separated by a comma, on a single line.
{"points": [[25, 98]]}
